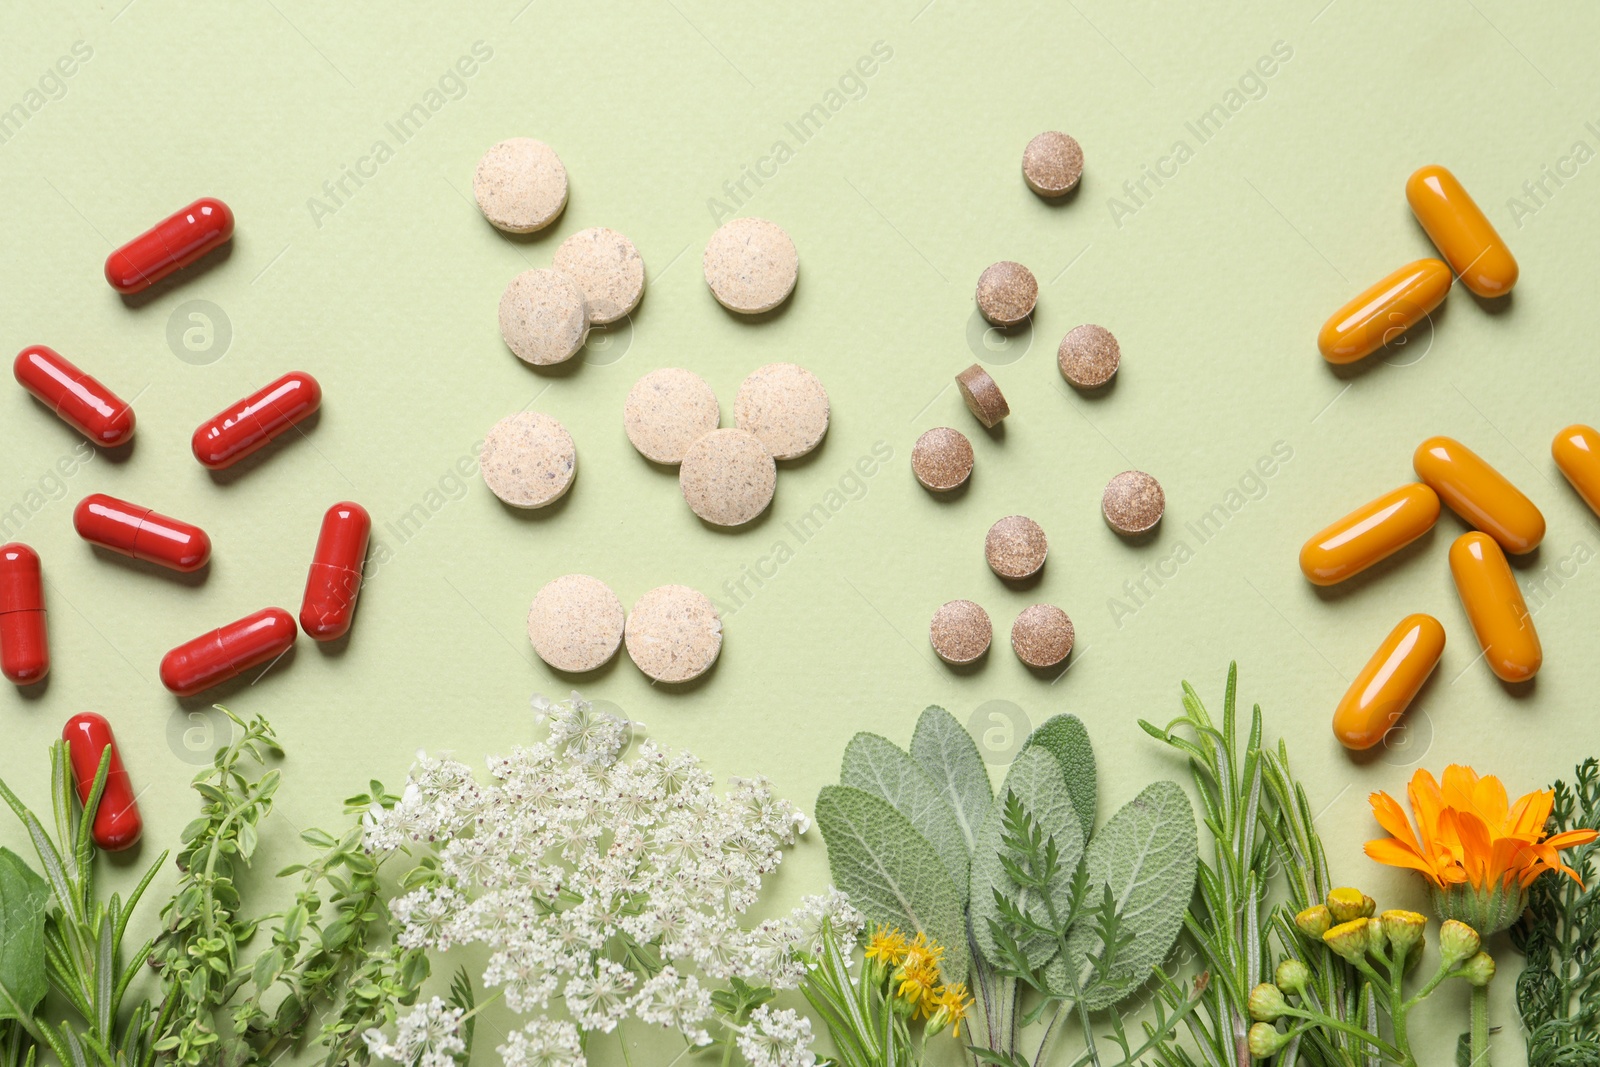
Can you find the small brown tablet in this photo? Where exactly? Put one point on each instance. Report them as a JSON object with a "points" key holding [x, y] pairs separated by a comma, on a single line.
{"points": [[728, 477], [1052, 164], [1007, 292], [942, 459], [785, 406], [1042, 635], [674, 633], [1133, 503], [751, 265], [1089, 356], [983, 396], [607, 268], [544, 317], [528, 460], [576, 623], [1016, 547], [521, 185], [960, 632], [667, 411]]}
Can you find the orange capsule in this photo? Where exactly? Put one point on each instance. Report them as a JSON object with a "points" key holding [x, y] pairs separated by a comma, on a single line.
{"points": [[1388, 683], [1376, 529], [1495, 607], [1381, 314], [1460, 231], [1479, 494], [1577, 452]]}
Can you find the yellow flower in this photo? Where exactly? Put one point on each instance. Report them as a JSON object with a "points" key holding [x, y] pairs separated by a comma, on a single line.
{"points": [[918, 973], [950, 1007], [888, 946]]}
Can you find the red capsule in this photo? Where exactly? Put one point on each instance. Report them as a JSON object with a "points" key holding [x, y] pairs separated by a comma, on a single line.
{"points": [[248, 425], [116, 821], [24, 644], [228, 652], [136, 531], [80, 401], [171, 244], [335, 578]]}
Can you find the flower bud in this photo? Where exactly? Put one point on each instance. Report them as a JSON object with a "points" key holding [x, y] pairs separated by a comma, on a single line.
{"points": [[937, 1023], [1265, 1040], [1314, 921], [1292, 977], [1347, 904], [1457, 941], [1479, 970], [1405, 930], [1266, 1003], [1377, 940], [1349, 940]]}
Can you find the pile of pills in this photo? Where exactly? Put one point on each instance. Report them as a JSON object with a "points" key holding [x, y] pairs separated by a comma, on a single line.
{"points": [[673, 634]]}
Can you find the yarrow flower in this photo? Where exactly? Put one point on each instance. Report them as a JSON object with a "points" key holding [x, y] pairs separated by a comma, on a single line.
{"points": [[777, 1039], [428, 1035]]}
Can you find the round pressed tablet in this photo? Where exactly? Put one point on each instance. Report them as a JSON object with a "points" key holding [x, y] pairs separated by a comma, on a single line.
{"points": [[751, 265], [1015, 547], [1133, 502], [667, 411], [960, 632], [575, 623], [1088, 356], [1042, 635], [785, 406], [1052, 164], [607, 268], [521, 185], [728, 477], [1006, 293], [942, 459], [528, 460], [544, 317], [674, 634], [983, 396]]}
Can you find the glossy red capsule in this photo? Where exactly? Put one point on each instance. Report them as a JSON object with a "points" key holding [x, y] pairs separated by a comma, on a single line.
{"points": [[248, 425], [79, 400], [24, 643], [134, 530], [171, 244], [335, 578], [116, 821], [228, 651]]}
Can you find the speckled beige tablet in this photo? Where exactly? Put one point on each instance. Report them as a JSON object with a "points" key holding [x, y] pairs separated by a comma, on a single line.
{"points": [[728, 477], [1052, 164], [983, 396], [785, 406], [543, 317], [667, 411], [607, 268], [751, 265], [674, 633], [1088, 356], [575, 623], [960, 632], [942, 459], [1133, 502], [1042, 635], [1007, 292], [1016, 547], [521, 185], [528, 460]]}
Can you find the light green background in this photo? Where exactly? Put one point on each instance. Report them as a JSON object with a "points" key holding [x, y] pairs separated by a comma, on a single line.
{"points": [[1215, 284]]}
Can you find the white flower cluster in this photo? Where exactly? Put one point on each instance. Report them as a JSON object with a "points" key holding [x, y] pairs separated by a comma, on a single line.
{"points": [[428, 1036], [777, 1039]]}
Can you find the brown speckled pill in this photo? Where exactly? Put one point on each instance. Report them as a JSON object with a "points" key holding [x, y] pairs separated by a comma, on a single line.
{"points": [[1042, 635], [521, 185], [728, 477], [960, 632], [607, 268], [1088, 356], [983, 396], [1015, 547], [667, 411], [576, 623], [751, 265], [1006, 293], [1133, 502], [785, 406], [674, 633], [528, 460], [942, 459], [544, 317], [1052, 164]]}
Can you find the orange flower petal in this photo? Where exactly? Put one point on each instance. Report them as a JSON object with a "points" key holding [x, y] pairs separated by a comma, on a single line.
{"points": [[1392, 817], [1397, 854], [1457, 786], [1571, 838]]}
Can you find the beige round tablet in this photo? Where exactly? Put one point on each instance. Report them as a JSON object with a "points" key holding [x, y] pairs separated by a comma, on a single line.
{"points": [[521, 185], [1042, 635], [575, 623], [544, 317], [751, 265], [960, 632], [1133, 502], [674, 633], [983, 396], [728, 477], [1052, 164], [1016, 547], [528, 460], [785, 406], [1007, 292], [607, 268], [667, 411], [942, 459], [1088, 356]]}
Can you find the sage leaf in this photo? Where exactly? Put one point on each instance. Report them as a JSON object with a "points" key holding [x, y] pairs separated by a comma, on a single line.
{"points": [[944, 749], [1066, 739], [876, 765], [24, 897]]}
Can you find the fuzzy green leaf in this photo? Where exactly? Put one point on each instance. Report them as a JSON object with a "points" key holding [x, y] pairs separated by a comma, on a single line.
{"points": [[24, 896], [944, 749], [876, 765], [1068, 741]]}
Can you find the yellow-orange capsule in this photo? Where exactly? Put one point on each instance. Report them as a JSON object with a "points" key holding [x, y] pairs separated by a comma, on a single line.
{"points": [[1479, 494], [1382, 313], [1388, 683], [1495, 607], [1460, 231], [1577, 452], [1376, 529]]}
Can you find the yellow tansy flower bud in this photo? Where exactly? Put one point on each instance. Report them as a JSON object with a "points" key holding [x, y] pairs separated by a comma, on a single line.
{"points": [[1479, 970], [1265, 1040], [1349, 939], [1266, 1003], [1457, 941], [1346, 904], [1405, 929], [1314, 921], [1292, 976]]}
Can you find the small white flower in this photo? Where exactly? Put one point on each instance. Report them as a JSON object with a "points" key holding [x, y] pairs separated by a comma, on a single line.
{"points": [[776, 1039]]}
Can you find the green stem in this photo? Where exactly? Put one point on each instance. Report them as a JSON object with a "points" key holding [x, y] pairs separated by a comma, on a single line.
{"points": [[1480, 1026], [1331, 1023], [1444, 971]]}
